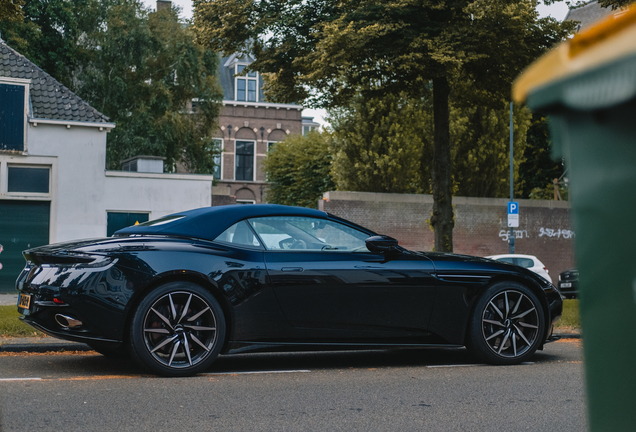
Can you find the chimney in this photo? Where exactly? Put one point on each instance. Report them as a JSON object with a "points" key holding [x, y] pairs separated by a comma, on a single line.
{"points": [[163, 4]]}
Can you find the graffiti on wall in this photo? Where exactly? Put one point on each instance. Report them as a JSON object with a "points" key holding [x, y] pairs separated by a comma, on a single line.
{"points": [[549, 232], [504, 235]]}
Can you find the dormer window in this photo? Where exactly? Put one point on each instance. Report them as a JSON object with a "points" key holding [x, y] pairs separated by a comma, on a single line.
{"points": [[246, 86]]}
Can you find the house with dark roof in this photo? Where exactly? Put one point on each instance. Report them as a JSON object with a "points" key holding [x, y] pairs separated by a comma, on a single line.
{"points": [[590, 13], [249, 126], [53, 182]]}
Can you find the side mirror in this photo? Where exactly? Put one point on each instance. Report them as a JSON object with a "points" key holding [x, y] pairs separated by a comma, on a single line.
{"points": [[381, 244]]}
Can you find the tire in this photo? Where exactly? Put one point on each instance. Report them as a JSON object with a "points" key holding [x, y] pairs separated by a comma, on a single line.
{"points": [[507, 324], [177, 330], [110, 350]]}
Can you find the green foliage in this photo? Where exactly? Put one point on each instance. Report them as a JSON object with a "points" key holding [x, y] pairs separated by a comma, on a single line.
{"points": [[385, 145], [140, 68], [10, 10], [615, 4], [298, 170], [145, 70], [547, 193], [327, 53], [538, 170], [50, 35], [11, 326], [378, 146], [480, 149]]}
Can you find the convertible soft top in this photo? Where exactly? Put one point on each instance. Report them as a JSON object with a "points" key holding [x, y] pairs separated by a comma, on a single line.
{"points": [[208, 222]]}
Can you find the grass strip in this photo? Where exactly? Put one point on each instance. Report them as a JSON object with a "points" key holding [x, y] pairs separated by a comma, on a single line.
{"points": [[570, 317], [11, 326]]}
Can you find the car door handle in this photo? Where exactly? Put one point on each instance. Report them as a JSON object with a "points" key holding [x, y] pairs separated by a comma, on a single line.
{"points": [[291, 269]]}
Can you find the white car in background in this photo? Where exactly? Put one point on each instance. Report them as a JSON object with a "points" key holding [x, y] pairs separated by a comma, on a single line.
{"points": [[530, 262]]}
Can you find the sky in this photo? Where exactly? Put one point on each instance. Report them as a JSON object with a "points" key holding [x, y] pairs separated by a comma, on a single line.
{"points": [[558, 11]]}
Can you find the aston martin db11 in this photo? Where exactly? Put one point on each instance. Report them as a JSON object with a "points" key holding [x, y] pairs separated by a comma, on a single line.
{"points": [[176, 292]]}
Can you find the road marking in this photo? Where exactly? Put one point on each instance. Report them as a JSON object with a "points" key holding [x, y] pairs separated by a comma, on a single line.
{"points": [[476, 365], [452, 366], [254, 372], [20, 379]]}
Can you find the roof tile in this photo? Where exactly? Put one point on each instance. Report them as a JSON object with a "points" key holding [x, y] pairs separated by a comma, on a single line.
{"points": [[49, 98]]}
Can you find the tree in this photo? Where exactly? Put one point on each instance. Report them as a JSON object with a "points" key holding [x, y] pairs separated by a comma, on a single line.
{"points": [[538, 170], [50, 35], [378, 146], [480, 149], [141, 69], [615, 4], [326, 52], [145, 70], [385, 145], [298, 170], [10, 10]]}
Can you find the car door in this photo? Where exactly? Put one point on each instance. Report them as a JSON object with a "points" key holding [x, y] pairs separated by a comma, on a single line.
{"points": [[329, 285]]}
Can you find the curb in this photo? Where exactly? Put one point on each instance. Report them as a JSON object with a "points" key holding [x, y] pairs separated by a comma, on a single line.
{"points": [[39, 346], [568, 335]]}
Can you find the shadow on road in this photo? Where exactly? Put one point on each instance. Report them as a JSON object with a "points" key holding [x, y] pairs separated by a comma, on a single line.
{"points": [[96, 365]]}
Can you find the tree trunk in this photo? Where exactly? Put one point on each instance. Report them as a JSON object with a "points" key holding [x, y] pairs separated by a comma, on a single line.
{"points": [[442, 219]]}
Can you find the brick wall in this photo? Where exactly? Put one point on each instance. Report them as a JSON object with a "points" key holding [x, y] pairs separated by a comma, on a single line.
{"points": [[480, 224]]}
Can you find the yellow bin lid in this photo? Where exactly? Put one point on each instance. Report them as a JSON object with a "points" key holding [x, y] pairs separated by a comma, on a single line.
{"points": [[604, 43]]}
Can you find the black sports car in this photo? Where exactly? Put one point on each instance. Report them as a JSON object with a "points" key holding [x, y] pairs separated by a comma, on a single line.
{"points": [[177, 291]]}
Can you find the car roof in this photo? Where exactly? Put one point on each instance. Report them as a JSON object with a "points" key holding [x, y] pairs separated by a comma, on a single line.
{"points": [[208, 222]]}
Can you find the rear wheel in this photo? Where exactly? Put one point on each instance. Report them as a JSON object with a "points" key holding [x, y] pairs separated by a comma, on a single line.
{"points": [[178, 329], [507, 325]]}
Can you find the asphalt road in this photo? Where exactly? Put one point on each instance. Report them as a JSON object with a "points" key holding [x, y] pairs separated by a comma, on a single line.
{"points": [[408, 390]]}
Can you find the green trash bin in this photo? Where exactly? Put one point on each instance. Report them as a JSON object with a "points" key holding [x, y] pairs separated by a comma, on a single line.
{"points": [[588, 88]]}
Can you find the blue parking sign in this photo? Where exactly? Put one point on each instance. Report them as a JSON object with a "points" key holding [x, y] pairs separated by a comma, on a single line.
{"points": [[513, 214], [513, 207]]}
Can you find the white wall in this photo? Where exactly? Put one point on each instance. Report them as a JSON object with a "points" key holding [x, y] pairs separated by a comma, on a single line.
{"points": [[77, 199], [82, 192], [156, 194]]}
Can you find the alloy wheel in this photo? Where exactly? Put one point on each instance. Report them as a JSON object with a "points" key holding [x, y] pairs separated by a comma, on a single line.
{"points": [[510, 323], [180, 329]]}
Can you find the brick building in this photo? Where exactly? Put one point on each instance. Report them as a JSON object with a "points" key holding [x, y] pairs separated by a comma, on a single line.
{"points": [[248, 127]]}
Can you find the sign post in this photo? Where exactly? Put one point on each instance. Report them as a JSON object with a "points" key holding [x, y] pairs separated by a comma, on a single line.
{"points": [[513, 207]]}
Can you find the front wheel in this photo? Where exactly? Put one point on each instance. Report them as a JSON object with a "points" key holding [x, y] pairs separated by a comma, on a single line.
{"points": [[178, 329], [507, 324]]}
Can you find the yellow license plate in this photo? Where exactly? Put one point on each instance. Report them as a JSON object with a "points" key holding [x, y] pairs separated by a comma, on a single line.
{"points": [[24, 301]]}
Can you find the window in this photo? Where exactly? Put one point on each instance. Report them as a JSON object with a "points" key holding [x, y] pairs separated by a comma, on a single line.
{"points": [[307, 129], [287, 232], [244, 160], [119, 220], [246, 86], [217, 148], [12, 117], [28, 179], [239, 234], [271, 144]]}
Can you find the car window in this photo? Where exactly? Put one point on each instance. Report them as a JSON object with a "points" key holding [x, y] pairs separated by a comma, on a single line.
{"points": [[524, 262], [240, 234], [508, 260], [288, 232]]}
